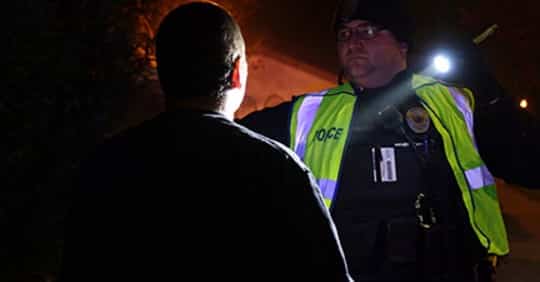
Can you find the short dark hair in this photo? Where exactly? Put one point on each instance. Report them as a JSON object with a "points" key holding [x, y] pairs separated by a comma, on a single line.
{"points": [[196, 47]]}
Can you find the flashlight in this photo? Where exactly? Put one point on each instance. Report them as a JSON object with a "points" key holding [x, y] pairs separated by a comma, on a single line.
{"points": [[441, 64]]}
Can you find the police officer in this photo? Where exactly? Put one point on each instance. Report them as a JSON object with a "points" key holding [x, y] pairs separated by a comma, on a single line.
{"points": [[395, 157]]}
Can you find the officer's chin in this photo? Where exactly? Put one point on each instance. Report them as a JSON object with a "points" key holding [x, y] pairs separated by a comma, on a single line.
{"points": [[360, 74]]}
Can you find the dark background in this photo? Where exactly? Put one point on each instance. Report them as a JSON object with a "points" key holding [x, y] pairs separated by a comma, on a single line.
{"points": [[79, 71]]}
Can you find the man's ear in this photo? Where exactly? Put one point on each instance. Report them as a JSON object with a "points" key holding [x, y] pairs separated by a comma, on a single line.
{"points": [[236, 81]]}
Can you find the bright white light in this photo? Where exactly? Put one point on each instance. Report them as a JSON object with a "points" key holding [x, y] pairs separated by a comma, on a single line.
{"points": [[441, 64], [523, 104]]}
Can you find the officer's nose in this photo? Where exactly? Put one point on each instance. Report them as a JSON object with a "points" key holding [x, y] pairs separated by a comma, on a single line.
{"points": [[356, 44]]}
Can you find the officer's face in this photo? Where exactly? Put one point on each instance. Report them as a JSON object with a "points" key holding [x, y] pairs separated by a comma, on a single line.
{"points": [[369, 55]]}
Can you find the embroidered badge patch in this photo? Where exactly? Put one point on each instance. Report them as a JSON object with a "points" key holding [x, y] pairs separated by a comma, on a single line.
{"points": [[418, 120]]}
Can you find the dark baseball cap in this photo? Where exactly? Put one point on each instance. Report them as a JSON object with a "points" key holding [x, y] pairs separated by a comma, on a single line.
{"points": [[391, 14]]}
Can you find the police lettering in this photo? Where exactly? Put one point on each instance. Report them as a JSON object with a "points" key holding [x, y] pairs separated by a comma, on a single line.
{"points": [[331, 133]]}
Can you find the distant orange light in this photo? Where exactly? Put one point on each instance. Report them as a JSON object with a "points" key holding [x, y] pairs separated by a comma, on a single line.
{"points": [[523, 104]]}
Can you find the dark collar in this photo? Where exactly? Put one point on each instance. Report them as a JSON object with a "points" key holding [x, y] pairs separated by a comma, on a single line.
{"points": [[401, 81]]}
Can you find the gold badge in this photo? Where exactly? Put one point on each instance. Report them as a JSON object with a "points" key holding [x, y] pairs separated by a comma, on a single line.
{"points": [[418, 120]]}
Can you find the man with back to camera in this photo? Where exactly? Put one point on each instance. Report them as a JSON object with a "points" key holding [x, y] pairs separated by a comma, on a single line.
{"points": [[192, 195], [395, 157]]}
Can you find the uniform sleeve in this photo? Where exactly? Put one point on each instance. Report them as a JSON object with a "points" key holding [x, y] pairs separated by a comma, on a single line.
{"points": [[314, 243], [271, 122]]}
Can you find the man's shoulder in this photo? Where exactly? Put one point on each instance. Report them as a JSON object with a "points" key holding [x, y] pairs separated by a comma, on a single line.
{"points": [[421, 80], [257, 140], [272, 122], [431, 84], [268, 147], [130, 137], [114, 151], [130, 145]]}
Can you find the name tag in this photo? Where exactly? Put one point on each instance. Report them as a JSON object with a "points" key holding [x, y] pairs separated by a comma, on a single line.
{"points": [[387, 164]]}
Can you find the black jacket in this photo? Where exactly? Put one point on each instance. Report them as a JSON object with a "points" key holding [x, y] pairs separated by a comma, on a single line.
{"points": [[194, 196]]}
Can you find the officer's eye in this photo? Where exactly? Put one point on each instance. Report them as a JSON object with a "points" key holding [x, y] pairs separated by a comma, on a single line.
{"points": [[369, 31], [344, 34], [362, 32], [373, 30]]}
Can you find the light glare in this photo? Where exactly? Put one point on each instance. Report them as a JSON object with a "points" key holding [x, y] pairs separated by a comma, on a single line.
{"points": [[441, 63], [523, 104]]}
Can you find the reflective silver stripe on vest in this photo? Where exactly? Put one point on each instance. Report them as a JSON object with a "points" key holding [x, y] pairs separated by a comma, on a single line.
{"points": [[464, 107], [328, 188], [306, 116], [479, 177]]}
